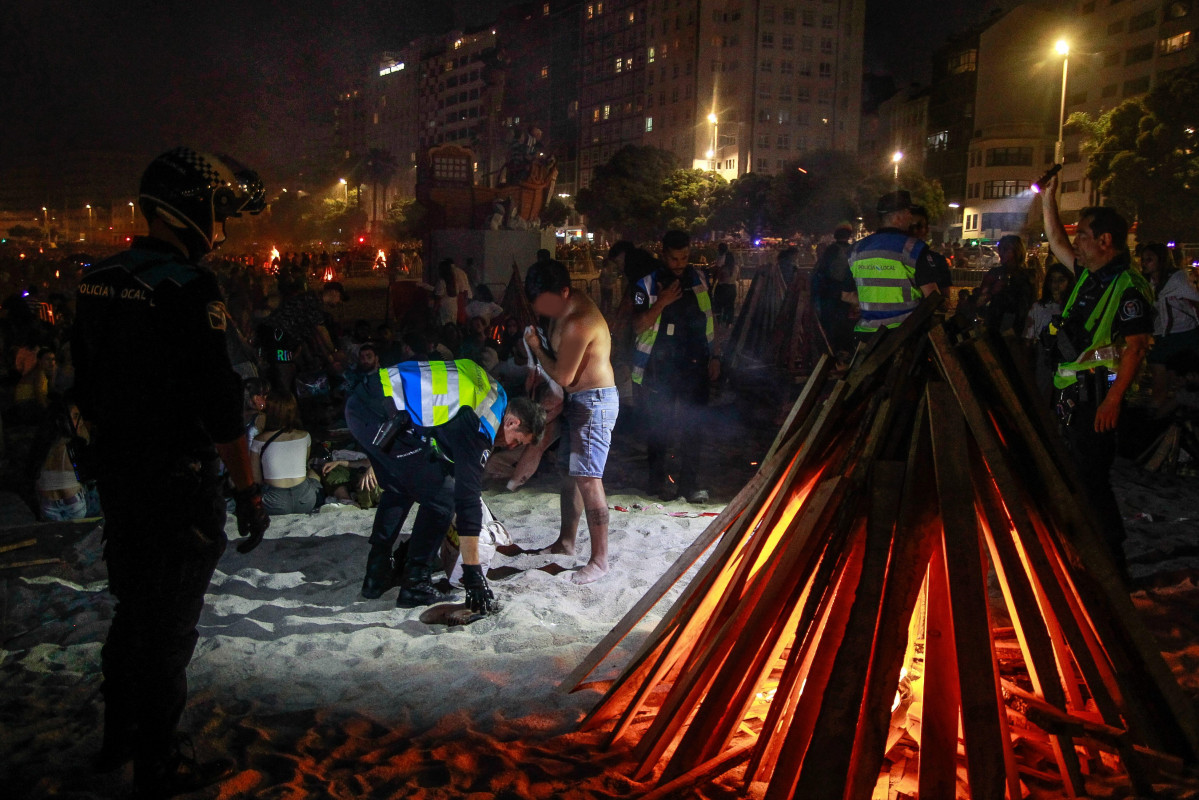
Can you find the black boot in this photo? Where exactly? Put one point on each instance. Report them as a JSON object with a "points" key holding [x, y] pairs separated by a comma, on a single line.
{"points": [[379, 577], [177, 772], [416, 587]]}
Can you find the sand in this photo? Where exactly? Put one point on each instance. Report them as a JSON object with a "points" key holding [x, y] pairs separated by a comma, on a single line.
{"points": [[317, 692]]}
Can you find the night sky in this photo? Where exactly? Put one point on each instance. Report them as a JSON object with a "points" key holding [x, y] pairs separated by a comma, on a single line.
{"points": [[255, 78]]}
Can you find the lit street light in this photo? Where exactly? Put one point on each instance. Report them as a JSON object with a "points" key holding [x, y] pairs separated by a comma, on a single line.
{"points": [[896, 157], [345, 185], [132, 214], [88, 206], [1059, 152], [712, 152]]}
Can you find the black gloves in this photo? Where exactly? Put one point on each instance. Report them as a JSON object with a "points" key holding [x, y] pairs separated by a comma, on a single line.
{"points": [[478, 594], [252, 519]]}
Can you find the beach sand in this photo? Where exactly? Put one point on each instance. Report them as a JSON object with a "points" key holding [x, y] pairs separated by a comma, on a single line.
{"points": [[318, 693]]}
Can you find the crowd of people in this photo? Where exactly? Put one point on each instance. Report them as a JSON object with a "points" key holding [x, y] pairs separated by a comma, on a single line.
{"points": [[165, 396]]}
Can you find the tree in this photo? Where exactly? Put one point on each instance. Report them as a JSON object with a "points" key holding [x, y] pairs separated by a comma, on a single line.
{"points": [[379, 168], [1144, 157], [556, 212], [407, 219], [747, 205], [693, 195], [627, 193]]}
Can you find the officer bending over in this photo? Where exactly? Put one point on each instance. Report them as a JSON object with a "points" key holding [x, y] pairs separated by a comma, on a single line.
{"points": [[433, 435]]}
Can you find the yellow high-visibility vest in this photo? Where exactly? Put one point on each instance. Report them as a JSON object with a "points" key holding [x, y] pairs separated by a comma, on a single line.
{"points": [[433, 392]]}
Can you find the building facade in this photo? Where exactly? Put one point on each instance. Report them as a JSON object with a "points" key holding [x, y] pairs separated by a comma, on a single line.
{"points": [[612, 84], [1015, 122], [1118, 51]]}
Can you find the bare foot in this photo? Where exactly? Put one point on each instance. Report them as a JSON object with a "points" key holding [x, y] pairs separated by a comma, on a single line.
{"points": [[589, 574], [556, 549]]}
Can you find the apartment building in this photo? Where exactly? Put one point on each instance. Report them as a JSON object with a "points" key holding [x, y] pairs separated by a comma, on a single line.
{"points": [[1119, 49]]}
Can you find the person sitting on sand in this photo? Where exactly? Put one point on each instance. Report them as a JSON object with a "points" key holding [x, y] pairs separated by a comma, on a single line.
{"points": [[581, 363], [279, 459]]}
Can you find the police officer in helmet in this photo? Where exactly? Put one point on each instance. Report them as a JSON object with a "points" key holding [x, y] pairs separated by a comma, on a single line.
{"points": [[155, 384]]}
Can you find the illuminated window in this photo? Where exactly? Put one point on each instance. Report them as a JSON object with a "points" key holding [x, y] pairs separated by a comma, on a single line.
{"points": [[619, 64], [1008, 188], [1174, 44], [545, 72], [545, 9], [607, 110], [649, 124], [650, 55], [590, 11]]}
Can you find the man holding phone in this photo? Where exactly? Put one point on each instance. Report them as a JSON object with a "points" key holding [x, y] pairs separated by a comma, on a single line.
{"points": [[674, 362]]}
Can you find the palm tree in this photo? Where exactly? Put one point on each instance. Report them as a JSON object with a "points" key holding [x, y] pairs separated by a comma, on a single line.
{"points": [[379, 168]]}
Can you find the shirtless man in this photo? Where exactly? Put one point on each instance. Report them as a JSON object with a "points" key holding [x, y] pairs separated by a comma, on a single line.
{"points": [[581, 363]]}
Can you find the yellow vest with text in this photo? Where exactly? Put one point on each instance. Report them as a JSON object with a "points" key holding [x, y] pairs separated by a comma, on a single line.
{"points": [[884, 269], [433, 392]]}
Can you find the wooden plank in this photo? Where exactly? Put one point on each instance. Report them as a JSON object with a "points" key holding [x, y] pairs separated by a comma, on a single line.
{"points": [[826, 764], [716, 528], [1145, 666], [942, 704], [1053, 594], [762, 601], [37, 562], [791, 683], [893, 340], [767, 487], [704, 772], [990, 764], [803, 405], [917, 533], [803, 723], [1030, 627], [8, 548]]}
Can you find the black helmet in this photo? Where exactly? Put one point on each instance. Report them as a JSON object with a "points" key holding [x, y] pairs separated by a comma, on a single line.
{"points": [[194, 193]]}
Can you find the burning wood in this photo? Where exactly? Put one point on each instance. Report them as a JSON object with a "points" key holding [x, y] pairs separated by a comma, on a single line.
{"points": [[855, 563]]}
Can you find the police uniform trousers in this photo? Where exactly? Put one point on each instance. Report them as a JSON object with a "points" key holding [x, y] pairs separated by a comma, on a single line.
{"points": [[674, 403], [163, 538], [407, 479], [1093, 455], [409, 474]]}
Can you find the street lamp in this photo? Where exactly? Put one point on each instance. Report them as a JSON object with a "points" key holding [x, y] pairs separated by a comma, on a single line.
{"points": [[132, 214], [345, 185], [712, 152], [896, 157], [1059, 153], [88, 206]]}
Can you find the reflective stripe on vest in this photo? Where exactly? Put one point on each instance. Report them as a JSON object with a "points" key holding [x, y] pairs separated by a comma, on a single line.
{"points": [[1100, 352], [432, 392], [884, 268], [645, 340]]}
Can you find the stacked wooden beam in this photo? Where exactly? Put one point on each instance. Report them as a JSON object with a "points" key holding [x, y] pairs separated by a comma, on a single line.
{"points": [[756, 333], [928, 465]]}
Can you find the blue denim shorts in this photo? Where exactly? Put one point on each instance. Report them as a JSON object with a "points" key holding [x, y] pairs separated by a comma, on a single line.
{"points": [[65, 509], [588, 418]]}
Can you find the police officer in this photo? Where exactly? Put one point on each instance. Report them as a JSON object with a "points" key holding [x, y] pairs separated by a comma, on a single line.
{"points": [[1100, 340], [155, 384], [429, 427], [674, 360], [891, 272]]}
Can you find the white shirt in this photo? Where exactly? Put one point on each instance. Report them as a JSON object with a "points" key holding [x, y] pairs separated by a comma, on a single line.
{"points": [[1175, 312], [283, 460]]}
